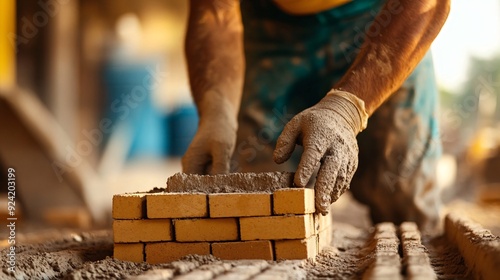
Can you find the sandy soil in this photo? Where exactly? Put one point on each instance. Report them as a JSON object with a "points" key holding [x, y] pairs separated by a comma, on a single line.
{"points": [[345, 258]]}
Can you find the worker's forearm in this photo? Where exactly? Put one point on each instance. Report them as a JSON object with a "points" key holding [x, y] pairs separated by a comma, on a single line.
{"points": [[386, 59], [214, 52]]}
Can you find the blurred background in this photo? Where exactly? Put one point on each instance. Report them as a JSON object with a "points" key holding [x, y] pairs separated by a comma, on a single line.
{"points": [[95, 101]]}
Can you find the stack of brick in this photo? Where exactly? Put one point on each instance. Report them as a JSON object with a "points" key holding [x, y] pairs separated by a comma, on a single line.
{"points": [[163, 227]]}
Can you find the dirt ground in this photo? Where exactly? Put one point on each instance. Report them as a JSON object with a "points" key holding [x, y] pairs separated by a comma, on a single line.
{"points": [[68, 254]]}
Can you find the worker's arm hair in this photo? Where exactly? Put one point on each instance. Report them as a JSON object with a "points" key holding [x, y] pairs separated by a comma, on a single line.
{"points": [[391, 52], [214, 52]]}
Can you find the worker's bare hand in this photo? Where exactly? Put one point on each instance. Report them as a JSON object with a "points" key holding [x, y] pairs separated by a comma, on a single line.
{"points": [[212, 146], [327, 131]]}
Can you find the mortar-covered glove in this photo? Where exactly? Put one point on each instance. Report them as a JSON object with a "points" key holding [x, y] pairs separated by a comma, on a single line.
{"points": [[327, 131], [213, 144]]}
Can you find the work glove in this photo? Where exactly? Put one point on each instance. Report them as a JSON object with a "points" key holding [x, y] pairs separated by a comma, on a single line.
{"points": [[211, 149], [327, 131]]}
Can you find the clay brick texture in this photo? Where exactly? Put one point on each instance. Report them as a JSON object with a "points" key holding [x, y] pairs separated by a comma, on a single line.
{"points": [[176, 205], [129, 206], [132, 252], [243, 250], [239, 205], [297, 249], [131, 231], [277, 227], [276, 223], [170, 251], [222, 229], [293, 201]]}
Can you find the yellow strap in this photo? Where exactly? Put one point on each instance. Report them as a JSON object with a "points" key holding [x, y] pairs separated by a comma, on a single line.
{"points": [[7, 43], [304, 7]]}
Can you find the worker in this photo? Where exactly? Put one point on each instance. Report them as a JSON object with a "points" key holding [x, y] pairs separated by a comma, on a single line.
{"points": [[351, 82]]}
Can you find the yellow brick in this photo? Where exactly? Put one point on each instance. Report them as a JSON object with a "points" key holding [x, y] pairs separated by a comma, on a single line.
{"points": [[170, 251], [277, 227], [324, 239], [296, 249], [239, 204], [293, 201], [131, 231], [245, 250], [132, 252], [223, 229], [322, 222], [129, 206], [176, 205]]}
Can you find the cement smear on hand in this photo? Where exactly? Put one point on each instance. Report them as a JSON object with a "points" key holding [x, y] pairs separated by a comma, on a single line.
{"points": [[230, 183]]}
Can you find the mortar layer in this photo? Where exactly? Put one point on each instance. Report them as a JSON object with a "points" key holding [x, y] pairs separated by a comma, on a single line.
{"points": [[230, 183]]}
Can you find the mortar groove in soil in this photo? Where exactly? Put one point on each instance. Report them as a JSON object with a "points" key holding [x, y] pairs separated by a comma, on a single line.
{"points": [[446, 259]]}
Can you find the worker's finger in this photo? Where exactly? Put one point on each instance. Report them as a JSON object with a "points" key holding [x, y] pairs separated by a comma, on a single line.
{"points": [[221, 158], [309, 161], [327, 176], [195, 161], [286, 140], [340, 186]]}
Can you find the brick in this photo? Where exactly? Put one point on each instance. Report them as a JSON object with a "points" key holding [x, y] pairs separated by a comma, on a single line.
{"points": [[222, 229], [386, 263], [478, 246], [276, 227], [132, 252], [293, 201], [324, 239], [176, 205], [322, 222], [262, 250], [416, 261], [296, 249], [163, 252], [239, 204], [129, 206], [131, 231]]}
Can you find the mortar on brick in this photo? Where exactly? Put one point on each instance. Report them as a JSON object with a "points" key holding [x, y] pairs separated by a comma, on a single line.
{"points": [[230, 183]]}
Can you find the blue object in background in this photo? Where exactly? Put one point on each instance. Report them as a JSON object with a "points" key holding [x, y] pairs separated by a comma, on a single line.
{"points": [[183, 124], [129, 88]]}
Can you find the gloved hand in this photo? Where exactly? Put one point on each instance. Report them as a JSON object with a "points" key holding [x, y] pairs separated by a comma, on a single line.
{"points": [[213, 145], [327, 131]]}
